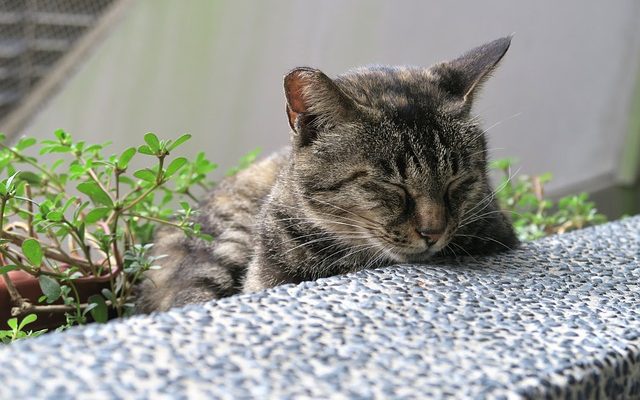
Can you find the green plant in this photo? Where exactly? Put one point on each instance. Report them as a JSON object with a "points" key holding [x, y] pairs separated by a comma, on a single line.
{"points": [[534, 215], [85, 216], [17, 331], [245, 161]]}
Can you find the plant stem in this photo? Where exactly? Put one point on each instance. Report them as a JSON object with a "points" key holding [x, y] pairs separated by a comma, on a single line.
{"points": [[35, 272], [116, 252], [3, 204], [85, 248], [53, 308], [117, 172], [190, 195], [25, 159], [19, 239], [94, 177], [16, 299], [140, 198], [77, 302], [32, 231], [154, 219]]}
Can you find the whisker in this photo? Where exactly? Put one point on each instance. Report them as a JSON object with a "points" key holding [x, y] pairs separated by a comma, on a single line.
{"points": [[360, 223], [347, 235], [324, 213], [485, 238], [463, 249], [379, 255], [497, 124], [339, 208], [486, 201], [350, 254], [323, 239], [318, 220], [484, 216]]}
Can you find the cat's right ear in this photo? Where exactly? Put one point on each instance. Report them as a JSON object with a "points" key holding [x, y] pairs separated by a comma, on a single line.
{"points": [[461, 78], [313, 102]]}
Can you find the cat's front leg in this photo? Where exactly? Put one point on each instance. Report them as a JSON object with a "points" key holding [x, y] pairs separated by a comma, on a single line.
{"points": [[254, 280], [263, 274]]}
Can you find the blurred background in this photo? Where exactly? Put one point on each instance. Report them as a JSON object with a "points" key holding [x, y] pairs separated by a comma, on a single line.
{"points": [[565, 100]]}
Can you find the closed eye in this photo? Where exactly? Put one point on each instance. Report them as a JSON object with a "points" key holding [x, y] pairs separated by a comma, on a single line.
{"points": [[458, 183], [339, 184], [389, 194], [406, 196]]}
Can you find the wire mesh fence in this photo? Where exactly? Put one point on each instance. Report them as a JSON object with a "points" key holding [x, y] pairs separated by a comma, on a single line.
{"points": [[34, 35]]}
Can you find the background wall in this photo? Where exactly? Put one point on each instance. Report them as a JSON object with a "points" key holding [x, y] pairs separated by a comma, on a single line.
{"points": [[559, 102]]}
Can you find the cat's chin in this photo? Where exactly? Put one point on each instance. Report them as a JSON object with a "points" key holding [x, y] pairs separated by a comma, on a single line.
{"points": [[403, 256]]}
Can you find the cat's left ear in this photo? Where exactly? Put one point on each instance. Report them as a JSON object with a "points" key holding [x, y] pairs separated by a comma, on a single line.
{"points": [[461, 78], [314, 102]]}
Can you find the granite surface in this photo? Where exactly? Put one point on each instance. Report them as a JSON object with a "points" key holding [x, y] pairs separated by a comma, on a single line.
{"points": [[557, 318]]}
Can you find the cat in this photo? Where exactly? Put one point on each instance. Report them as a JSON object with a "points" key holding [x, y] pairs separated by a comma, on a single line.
{"points": [[386, 165]]}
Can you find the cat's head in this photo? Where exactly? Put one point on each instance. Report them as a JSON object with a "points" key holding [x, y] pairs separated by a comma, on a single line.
{"points": [[391, 156]]}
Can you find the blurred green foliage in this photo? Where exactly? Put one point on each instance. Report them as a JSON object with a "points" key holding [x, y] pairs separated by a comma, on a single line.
{"points": [[533, 214]]}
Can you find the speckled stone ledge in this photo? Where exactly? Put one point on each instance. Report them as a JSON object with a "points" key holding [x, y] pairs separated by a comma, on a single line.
{"points": [[558, 318]]}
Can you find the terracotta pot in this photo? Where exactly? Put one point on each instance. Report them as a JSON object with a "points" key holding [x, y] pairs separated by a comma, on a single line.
{"points": [[29, 287]]}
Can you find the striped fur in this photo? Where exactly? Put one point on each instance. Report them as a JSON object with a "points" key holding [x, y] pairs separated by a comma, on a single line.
{"points": [[386, 165]]}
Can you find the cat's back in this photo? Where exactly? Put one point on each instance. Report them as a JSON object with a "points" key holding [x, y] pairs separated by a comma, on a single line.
{"points": [[195, 270], [241, 195]]}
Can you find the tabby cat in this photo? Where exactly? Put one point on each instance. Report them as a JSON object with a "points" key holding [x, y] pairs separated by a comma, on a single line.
{"points": [[386, 165]]}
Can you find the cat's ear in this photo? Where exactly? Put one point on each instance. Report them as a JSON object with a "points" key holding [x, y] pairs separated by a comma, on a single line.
{"points": [[313, 102], [461, 78]]}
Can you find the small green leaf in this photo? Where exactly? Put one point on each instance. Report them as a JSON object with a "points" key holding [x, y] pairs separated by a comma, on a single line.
{"points": [[96, 193], [55, 216], [152, 141], [69, 203], [77, 169], [546, 177], [88, 308], [57, 149], [175, 165], [145, 175], [32, 250], [100, 311], [93, 148], [30, 177], [50, 288], [61, 134], [57, 164], [96, 214], [125, 157], [144, 149], [10, 181], [81, 231], [80, 209], [108, 294], [245, 161], [25, 143], [27, 320], [13, 323], [205, 237], [179, 141]]}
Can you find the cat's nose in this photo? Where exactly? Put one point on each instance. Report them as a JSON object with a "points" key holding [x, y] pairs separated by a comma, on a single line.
{"points": [[430, 219], [430, 234]]}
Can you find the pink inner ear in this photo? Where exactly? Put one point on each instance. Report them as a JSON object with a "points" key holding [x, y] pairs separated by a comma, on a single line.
{"points": [[294, 84]]}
